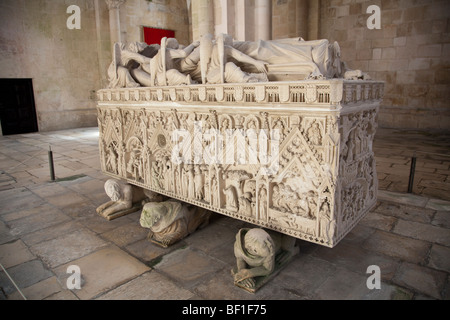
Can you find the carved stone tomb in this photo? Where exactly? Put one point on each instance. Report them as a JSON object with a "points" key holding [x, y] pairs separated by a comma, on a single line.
{"points": [[291, 156]]}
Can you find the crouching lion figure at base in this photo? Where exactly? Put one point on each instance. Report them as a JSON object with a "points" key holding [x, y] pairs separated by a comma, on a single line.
{"points": [[259, 256], [171, 221], [125, 198]]}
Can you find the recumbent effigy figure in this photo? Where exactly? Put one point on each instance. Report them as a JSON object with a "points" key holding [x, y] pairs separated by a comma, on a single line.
{"points": [[170, 221], [130, 67], [223, 60], [259, 255]]}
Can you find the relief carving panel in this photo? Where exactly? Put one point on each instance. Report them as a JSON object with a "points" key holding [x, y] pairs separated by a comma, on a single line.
{"points": [[306, 170]]}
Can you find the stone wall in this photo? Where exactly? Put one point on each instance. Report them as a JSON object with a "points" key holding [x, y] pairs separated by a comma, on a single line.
{"points": [[64, 64], [411, 53], [68, 66], [161, 14], [284, 19]]}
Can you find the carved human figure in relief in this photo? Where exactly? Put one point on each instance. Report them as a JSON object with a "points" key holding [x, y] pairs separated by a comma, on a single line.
{"points": [[198, 183], [246, 204], [327, 225], [134, 165], [156, 175], [111, 160], [164, 66], [131, 65], [262, 203], [231, 198], [257, 253], [214, 191], [314, 59], [314, 135], [225, 61], [123, 196], [171, 221], [216, 66], [191, 182]]}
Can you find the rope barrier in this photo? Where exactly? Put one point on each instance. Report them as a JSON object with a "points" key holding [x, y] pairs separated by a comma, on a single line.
{"points": [[15, 285]]}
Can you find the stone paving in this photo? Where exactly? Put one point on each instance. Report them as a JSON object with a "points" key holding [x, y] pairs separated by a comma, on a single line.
{"points": [[394, 150], [45, 227]]}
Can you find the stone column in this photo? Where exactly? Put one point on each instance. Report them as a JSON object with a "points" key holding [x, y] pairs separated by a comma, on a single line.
{"points": [[301, 17], [221, 13], [114, 20], [263, 20], [205, 17], [313, 19], [239, 19]]}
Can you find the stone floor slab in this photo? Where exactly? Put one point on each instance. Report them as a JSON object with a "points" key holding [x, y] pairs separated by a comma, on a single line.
{"points": [[24, 275], [37, 221], [304, 274], [15, 215], [402, 198], [18, 203], [340, 285], [440, 258], [5, 234], [103, 270], [423, 231], [51, 232], [188, 267], [396, 246], [378, 221], [68, 247], [49, 189], [438, 204], [62, 295], [126, 234], [39, 291], [405, 212], [421, 279], [357, 259], [66, 199], [14, 253], [149, 286], [149, 252], [413, 264], [211, 237], [441, 219], [221, 287], [93, 221]]}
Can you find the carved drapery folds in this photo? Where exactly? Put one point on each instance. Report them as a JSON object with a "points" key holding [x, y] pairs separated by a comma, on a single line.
{"points": [[304, 168]]}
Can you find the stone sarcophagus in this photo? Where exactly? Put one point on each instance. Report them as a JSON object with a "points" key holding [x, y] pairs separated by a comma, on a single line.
{"points": [[292, 156]]}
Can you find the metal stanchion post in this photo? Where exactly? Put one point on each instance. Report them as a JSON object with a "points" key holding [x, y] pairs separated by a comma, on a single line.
{"points": [[411, 173], [50, 163]]}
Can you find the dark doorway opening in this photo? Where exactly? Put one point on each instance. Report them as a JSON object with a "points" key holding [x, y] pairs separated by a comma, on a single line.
{"points": [[17, 109]]}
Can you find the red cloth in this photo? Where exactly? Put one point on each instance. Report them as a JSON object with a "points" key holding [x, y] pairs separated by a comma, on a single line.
{"points": [[153, 35]]}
